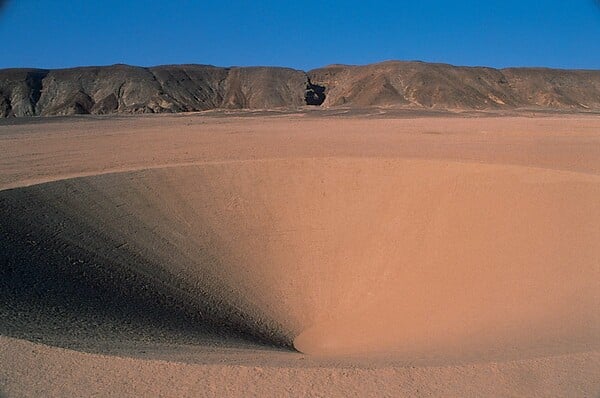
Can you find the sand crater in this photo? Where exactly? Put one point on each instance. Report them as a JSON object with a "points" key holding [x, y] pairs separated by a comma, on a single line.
{"points": [[333, 256]]}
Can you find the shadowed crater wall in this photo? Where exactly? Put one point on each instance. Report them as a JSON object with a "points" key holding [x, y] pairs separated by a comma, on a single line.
{"points": [[77, 264]]}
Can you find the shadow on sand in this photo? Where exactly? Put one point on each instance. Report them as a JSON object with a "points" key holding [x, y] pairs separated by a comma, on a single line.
{"points": [[62, 291]]}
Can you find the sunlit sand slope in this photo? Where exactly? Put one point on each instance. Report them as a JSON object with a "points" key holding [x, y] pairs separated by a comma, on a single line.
{"points": [[335, 256], [33, 370]]}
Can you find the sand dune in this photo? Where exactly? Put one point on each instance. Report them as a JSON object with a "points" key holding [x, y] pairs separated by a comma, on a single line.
{"points": [[451, 271]]}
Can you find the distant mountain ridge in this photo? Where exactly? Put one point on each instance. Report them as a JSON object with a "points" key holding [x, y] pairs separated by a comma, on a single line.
{"points": [[184, 88]]}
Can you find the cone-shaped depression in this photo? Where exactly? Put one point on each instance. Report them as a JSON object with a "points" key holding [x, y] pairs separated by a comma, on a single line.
{"points": [[340, 256]]}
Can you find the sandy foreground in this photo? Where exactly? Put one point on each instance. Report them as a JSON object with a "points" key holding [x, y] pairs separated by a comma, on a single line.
{"points": [[300, 254]]}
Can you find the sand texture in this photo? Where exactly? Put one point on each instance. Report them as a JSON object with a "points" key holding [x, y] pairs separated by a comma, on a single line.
{"points": [[303, 254]]}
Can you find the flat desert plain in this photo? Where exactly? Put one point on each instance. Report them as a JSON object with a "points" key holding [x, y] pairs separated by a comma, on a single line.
{"points": [[302, 254]]}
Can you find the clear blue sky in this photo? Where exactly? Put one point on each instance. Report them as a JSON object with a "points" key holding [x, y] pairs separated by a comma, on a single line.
{"points": [[303, 35]]}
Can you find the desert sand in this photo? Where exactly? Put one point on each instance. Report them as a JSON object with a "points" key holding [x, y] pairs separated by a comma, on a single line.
{"points": [[324, 253]]}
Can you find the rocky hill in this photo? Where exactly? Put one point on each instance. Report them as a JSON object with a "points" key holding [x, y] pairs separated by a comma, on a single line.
{"points": [[449, 87], [182, 88]]}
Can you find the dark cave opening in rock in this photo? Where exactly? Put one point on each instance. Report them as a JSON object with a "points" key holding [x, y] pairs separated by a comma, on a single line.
{"points": [[314, 95]]}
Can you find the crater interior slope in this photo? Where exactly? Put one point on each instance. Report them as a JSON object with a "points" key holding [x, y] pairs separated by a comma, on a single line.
{"points": [[438, 250]]}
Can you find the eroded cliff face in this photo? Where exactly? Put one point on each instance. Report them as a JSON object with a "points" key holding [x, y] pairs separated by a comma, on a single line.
{"points": [[444, 86], [130, 89], [184, 88], [20, 91]]}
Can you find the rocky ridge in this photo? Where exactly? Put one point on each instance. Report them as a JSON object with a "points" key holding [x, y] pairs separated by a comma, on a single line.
{"points": [[185, 88]]}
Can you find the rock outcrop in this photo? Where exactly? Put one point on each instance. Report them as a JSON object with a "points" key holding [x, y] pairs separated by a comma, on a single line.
{"points": [[183, 88], [444, 86], [130, 89]]}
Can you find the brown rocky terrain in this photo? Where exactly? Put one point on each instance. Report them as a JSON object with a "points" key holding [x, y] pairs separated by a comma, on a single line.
{"points": [[130, 89], [449, 87], [183, 88]]}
